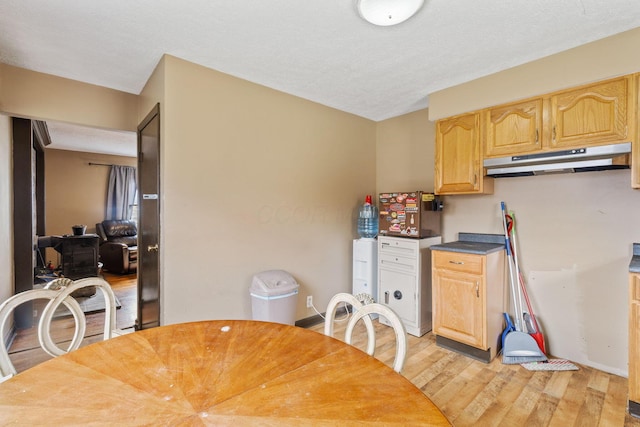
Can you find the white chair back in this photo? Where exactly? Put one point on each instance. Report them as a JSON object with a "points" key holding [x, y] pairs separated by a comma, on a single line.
{"points": [[401, 333], [44, 326], [330, 315], [57, 292], [6, 309]]}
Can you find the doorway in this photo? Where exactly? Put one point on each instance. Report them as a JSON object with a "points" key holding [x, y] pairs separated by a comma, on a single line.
{"points": [[73, 183]]}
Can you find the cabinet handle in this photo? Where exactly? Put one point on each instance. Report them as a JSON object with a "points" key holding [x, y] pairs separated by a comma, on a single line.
{"points": [[386, 297], [457, 262], [554, 133], [153, 248], [537, 135], [477, 290]]}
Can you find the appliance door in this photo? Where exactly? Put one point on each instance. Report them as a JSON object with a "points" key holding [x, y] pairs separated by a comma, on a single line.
{"points": [[397, 290]]}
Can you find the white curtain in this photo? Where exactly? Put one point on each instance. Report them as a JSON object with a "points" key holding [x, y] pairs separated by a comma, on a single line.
{"points": [[121, 192]]}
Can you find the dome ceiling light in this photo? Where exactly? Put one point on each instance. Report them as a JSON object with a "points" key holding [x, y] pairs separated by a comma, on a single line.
{"points": [[388, 12]]}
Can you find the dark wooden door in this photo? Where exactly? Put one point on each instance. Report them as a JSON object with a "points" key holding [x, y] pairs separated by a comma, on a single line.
{"points": [[28, 210], [23, 214], [149, 221]]}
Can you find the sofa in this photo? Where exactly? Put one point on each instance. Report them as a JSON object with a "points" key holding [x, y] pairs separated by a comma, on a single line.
{"points": [[118, 245]]}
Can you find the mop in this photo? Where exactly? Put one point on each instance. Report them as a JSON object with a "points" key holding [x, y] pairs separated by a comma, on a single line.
{"points": [[529, 318], [517, 345], [531, 324]]}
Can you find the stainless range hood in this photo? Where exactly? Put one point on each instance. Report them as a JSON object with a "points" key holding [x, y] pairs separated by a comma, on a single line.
{"points": [[614, 156]]}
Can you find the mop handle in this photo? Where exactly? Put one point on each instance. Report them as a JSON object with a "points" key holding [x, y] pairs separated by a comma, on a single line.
{"points": [[514, 251], [511, 278], [519, 274]]}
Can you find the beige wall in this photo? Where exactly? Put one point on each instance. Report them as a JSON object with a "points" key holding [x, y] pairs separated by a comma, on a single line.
{"points": [[405, 153], [575, 231], [6, 209], [609, 57], [153, 93], [76, 192], [254, 179], [33, 95]]}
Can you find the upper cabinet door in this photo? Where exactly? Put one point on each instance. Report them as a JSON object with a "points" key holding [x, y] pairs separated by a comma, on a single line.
{"points": [[592, 115], [514, 128], [458, 168]]}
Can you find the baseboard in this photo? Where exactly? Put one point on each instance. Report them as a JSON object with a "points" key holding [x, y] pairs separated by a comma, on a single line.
{"points": [[308, 322], [10, 336], [467, 350]]}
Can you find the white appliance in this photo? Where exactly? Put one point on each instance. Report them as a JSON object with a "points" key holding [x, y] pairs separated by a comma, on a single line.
{"points": [[365, 267], [404, 272]]}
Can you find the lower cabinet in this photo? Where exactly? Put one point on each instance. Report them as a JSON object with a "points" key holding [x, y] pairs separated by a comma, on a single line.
{"points": [[469, 302], [404, 280], [634, 344]]}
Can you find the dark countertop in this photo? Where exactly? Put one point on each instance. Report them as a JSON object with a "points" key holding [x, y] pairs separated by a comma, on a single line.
{"points": [[474, 243], [634, 265]]}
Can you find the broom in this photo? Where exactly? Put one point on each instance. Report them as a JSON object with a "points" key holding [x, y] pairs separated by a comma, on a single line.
{"points": [[518, 346], [533, 325]]}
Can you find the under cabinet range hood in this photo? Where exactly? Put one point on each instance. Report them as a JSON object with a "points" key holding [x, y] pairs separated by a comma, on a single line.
{"points": [[605, 157]]}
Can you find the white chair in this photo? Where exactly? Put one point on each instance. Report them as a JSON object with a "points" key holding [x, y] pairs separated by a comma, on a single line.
{"points": [[332, 308], [330, 315], [364, 312], [65, 291], [6, 309]]}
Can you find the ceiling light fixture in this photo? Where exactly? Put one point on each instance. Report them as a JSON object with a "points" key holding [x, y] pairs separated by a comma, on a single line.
{"points": [[388, 12]]}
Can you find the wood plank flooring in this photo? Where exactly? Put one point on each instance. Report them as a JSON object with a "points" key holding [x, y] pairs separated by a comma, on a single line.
{"points": [[473, 393], [469, 392]]}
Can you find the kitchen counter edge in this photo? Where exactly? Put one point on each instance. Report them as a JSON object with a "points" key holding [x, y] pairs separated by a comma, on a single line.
{"points": [[634, 265], [473, 243]]}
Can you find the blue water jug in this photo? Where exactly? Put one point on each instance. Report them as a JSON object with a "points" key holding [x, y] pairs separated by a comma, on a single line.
{"points": [[368, 220]]}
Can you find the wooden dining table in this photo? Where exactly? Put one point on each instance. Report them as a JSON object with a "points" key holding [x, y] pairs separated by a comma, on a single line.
{"points": [[222, 372]]}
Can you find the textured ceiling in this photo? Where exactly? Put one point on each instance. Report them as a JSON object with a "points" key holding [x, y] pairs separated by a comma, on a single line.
{"points": [[319, 50]]}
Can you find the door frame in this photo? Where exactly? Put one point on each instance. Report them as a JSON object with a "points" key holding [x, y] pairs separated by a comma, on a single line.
{"points": [[143, 215]]}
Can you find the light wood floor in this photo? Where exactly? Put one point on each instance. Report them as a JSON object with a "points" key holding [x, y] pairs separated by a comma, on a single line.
{"points": [[473, 393], [470, 393]]}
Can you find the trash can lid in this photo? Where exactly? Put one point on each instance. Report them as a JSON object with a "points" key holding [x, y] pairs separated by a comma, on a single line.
{"points": [[273, 282]]}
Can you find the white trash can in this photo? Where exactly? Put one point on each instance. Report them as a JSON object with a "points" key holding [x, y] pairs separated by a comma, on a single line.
{"points": [[274, 294]]}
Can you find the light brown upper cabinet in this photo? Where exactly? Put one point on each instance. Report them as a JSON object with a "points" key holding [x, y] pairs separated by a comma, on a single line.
{"points": [[458, 161], [595, 114], [514, 128], [592, 115]]}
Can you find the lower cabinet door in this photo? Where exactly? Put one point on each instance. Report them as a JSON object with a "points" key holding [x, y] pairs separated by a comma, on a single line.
{"points": [[634, 340], [457, 303], [398, 291]]}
